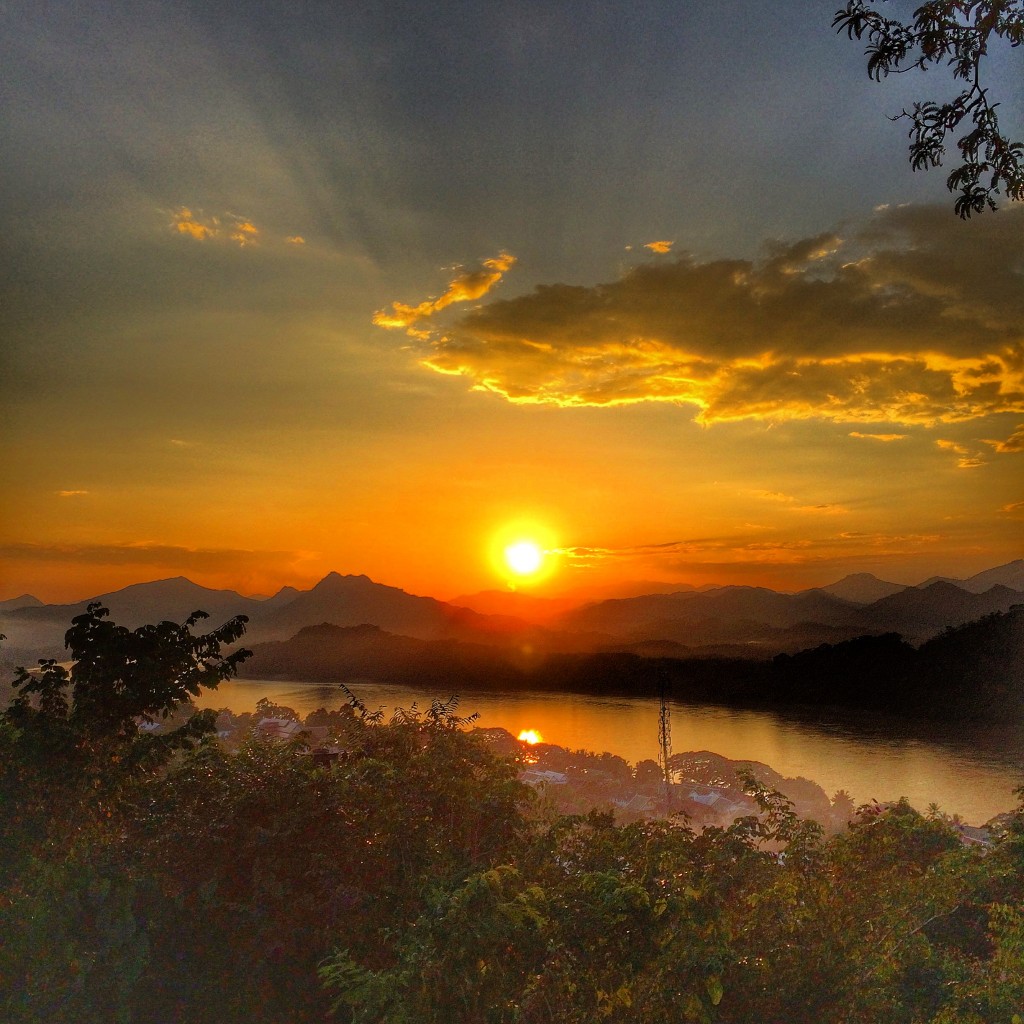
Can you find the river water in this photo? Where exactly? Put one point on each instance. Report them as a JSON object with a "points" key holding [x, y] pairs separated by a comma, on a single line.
{"points": [[966, 769]]}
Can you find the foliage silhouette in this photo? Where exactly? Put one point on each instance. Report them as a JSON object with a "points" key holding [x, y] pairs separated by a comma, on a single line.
{"points": [[119, 678], [412, 877], [957, 33]]}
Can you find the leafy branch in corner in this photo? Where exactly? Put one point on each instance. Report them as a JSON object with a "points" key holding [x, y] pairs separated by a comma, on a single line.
{"points": [[957, 33]]}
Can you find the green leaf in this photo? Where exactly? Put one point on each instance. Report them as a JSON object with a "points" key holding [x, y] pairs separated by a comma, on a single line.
{"points": [[715, 990]]}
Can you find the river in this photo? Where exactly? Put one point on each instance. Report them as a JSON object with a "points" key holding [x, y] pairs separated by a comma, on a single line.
{"points": [[969, 770]]}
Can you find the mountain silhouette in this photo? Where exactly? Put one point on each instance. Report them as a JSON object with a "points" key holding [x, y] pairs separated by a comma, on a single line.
{"points": [[716, 616], [705, 622], [345, 654], [1010, 575], [141, 603], [39, 630], [920, 612], [514, 603], [357, 600], [284, 596], [861, 588], [25, 601]]}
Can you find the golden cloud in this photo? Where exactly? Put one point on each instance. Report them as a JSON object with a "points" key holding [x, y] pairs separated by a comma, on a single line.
{"points": [[225, 227], [659, 247], [466, 287], [186, 223], [71, 494], [916, 318], [728, 553], [878, 437], [967, 459], [244, 233]]}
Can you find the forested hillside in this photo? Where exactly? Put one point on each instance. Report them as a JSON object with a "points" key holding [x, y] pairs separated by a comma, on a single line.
{"points": [[974, 671]]}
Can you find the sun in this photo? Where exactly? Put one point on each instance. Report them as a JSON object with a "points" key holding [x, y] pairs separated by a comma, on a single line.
{"points": [[524, 552], [524, 557]]}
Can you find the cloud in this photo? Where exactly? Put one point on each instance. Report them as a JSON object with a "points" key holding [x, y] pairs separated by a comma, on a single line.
{"points": [[70, 494], [466, 287], [244, 233], [582, 556], [914, 318], [822, 510], [777, 497], [878, 437], [659, 247], [967, 459], [186, 223], [711, 554], [180, 558], [1013, 507], [1014, 443], [224, 227]]}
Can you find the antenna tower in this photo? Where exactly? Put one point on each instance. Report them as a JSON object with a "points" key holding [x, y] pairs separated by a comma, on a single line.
{"points": [[665, 740]]}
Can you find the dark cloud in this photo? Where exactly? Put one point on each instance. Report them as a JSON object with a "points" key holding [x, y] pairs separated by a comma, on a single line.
{"points": [[912, 318], [1014, 443]]}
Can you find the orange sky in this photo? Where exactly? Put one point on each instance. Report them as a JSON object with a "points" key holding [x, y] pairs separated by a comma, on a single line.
{"points": [[285, 298]]}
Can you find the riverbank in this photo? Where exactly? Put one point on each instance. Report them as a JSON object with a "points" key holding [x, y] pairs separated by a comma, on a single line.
{"points": [[971, 776]]}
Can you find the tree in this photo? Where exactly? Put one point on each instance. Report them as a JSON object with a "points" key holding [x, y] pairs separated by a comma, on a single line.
{"points": [[76, 905], [119, 678], [957, 33]]}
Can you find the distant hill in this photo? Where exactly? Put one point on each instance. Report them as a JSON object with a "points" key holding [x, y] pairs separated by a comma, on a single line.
{"points": [[335, 654], [25, 601], [514, 603], [284, 596], [626, 616], [343, 654], [978, 668], [861, 588], [352, 601], [773, 622], [142, 603], [921, 612], [38, 630], [972, 671], [357, 600], [723, 615], [624, 588], [708, 622], [1010, 575]]}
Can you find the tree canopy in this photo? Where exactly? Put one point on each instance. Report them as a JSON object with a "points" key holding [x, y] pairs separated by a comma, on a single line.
{"points": [[119, 677], [959, 35], [409, 876]]}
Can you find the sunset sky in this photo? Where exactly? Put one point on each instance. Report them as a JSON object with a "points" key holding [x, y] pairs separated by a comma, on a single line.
{"points": [[380, 287]]}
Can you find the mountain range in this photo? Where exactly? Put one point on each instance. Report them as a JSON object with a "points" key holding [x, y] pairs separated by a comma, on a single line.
{"points": [[712, 621]]}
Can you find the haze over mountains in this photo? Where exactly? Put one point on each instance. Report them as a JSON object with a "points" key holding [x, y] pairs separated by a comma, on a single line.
{"points": [[713, 621]]}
